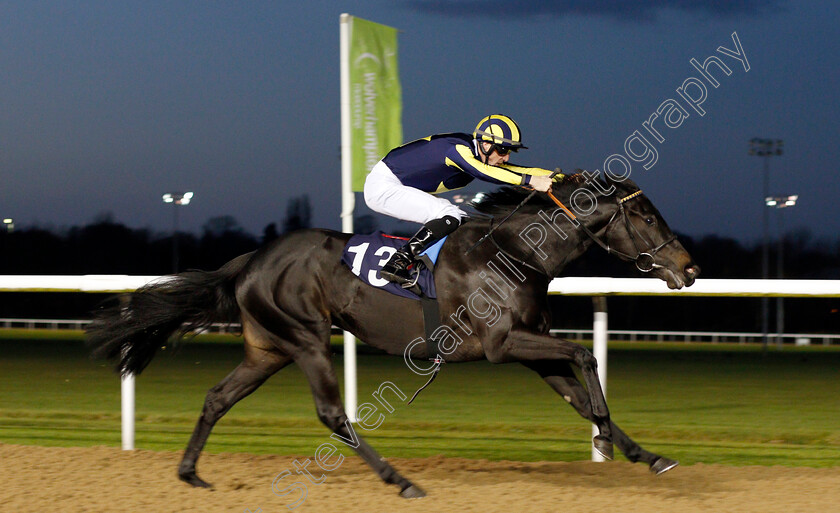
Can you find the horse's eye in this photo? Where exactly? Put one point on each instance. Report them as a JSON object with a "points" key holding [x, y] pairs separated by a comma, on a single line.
{"points": [[650, 221]]}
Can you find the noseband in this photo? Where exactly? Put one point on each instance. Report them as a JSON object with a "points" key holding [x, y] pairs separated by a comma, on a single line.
{"points": [[644, 260]]}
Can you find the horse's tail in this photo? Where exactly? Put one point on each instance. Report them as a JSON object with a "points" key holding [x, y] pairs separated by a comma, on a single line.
{"points": [[130, 331]]}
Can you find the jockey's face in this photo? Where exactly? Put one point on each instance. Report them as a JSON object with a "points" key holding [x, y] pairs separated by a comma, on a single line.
{"points": [[494, 159]]}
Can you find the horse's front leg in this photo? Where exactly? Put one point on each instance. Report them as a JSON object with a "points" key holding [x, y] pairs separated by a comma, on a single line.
{"points": [[561, 378], [524, 346]]}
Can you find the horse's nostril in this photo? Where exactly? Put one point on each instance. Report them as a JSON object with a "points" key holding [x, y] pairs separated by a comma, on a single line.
{"points": [[692, 270]]}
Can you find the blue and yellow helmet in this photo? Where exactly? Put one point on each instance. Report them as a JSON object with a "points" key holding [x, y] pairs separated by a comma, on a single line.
{"points": [[500, 130]]}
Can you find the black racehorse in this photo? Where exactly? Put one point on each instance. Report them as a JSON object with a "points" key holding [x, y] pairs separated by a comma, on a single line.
{"points": [[492, 300]]}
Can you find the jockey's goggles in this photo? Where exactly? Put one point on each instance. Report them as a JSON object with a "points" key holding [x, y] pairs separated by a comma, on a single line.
{"points": [[504, 150]]}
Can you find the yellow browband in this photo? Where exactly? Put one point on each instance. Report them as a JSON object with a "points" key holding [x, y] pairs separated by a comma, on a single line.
{"points": [[622, 200]]}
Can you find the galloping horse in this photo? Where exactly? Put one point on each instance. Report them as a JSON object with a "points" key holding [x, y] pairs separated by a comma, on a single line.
{"points": [[492, 300]]}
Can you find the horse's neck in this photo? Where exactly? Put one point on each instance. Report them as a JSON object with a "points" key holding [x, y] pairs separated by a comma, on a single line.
{"points": [[564, 239], [595, 223], [574, 250], [529, 238]]}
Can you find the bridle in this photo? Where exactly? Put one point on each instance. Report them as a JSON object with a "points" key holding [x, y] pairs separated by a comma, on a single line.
{"points": [[644, 260]]}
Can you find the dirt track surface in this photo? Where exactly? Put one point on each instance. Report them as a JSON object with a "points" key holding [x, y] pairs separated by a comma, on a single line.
{"points": [[105, 479]]}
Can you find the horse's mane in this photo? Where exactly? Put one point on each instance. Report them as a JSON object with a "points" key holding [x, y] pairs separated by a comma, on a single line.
{"points": [[505, 199]]}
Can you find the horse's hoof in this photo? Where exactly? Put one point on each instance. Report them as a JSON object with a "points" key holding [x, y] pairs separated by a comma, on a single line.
{"points": [[662, 465], [604, 446], [192, 479], [412, 492]]}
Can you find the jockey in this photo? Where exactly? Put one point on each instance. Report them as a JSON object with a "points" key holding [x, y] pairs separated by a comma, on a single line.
{"points": [[402, 184]]}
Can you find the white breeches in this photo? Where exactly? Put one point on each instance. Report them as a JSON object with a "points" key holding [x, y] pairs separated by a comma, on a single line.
{"points": [[384, 193]]}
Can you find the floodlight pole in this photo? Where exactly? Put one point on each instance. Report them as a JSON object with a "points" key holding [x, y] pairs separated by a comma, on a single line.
{"points": [[765, 148], [780, 301], [177, 199], [174, 238], [780, 202], [765, 258]]}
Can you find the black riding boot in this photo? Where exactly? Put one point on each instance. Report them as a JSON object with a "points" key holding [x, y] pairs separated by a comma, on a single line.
{"points": [[396, 270]]}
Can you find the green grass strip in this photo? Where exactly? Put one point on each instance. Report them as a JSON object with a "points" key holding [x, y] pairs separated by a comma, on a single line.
{"points": [[710, 403]]}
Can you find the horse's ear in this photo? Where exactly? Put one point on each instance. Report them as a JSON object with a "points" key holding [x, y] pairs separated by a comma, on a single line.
{"points": [[622, 185], [609, 182]]}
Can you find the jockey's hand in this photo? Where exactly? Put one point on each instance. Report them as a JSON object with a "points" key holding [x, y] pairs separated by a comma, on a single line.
{"points": [[540, 183]]}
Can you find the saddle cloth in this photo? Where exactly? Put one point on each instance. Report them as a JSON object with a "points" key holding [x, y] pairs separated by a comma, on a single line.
{"points": [[365, 255]]}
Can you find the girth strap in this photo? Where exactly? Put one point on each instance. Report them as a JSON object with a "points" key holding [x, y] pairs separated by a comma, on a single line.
{"points": [[431, 312], [431, 319], [431, 322]]}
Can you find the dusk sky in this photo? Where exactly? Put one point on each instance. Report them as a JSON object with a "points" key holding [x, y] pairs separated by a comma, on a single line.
{"points": [[106, 105]]}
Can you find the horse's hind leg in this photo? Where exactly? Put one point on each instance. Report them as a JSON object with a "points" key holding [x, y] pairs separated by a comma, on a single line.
{"points": [[562, 379], [259, 364], [319, 371]]}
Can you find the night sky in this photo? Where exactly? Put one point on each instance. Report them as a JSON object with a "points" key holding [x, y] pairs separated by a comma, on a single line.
{"points": [[105, 105]]}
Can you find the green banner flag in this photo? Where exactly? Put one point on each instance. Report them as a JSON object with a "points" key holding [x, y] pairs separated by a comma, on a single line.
{"points": [[375, 96]]}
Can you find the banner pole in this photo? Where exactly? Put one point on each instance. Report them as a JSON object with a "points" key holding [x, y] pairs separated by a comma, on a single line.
{"points": [[348, 200]]}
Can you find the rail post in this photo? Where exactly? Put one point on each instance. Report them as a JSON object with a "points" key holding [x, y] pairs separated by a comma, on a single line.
{"points": [[599, 350]]}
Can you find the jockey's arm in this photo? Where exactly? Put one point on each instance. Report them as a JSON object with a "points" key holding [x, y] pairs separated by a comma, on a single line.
{"points": [[536, 177], [465, 160], [533, 171]]}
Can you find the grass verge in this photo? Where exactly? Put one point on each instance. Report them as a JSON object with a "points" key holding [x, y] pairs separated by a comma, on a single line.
{"points": [[694, 402]]}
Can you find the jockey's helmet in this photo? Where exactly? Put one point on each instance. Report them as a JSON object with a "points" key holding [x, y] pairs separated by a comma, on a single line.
{"points": [[499, 130]]}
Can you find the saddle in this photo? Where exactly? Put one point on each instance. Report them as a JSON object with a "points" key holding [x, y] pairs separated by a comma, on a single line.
{"points": [[366, 254]]}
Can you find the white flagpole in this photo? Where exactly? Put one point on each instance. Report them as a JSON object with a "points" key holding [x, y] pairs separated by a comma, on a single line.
{"points": [[348, 201]]}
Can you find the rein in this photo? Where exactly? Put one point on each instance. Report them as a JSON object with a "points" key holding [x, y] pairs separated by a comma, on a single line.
{"points": [[644, 260], [492, 228]]}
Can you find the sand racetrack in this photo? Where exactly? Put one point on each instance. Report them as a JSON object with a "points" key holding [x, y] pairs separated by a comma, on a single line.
{"points": [[105, 479]]}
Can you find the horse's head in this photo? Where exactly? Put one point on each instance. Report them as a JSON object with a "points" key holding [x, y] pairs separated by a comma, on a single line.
{"points": [[617, 217], [637, 232]]}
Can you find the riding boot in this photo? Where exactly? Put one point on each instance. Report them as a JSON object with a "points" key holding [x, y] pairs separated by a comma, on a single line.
{"points": [[396, 270]]}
